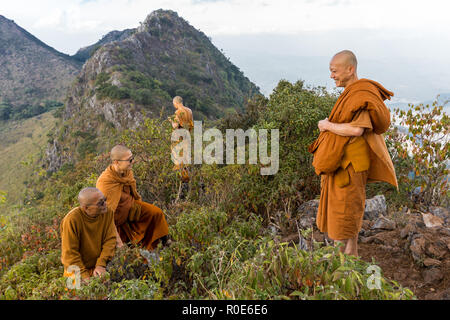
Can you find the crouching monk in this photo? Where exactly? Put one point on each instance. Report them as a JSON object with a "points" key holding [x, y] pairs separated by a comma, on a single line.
{"points": [[136, 221], [88, 235], [350, 152]]}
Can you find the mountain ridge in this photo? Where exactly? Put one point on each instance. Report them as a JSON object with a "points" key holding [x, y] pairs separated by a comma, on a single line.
{"points": [[31, 72]]}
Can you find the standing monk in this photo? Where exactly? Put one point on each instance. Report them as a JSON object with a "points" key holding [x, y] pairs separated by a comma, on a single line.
{"points": [[183, 119], [350, 152], [88, 235], [136, 221]]}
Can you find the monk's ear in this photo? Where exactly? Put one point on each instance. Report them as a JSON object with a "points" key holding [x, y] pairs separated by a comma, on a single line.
{"points": [[352, 69]]}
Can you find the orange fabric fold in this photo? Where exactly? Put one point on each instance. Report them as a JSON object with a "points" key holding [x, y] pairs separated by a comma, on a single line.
{"points": [[363, 94], [111, 184], [341, 209]]}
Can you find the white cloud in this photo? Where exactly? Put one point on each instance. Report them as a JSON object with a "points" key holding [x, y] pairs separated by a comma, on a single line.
{"points": [[385, 30], [234, 16]]}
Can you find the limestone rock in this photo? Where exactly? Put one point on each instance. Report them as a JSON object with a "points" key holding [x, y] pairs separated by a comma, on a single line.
{"points": [[442, 213], [431, 220], [384, 223], [375, 207], [308, 208]]}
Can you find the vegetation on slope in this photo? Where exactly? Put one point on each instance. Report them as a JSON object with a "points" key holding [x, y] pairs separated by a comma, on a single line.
{"points": [[223, 247]]}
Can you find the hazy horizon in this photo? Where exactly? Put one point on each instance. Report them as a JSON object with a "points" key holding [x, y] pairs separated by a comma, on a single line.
{"points": [[406, 50]]}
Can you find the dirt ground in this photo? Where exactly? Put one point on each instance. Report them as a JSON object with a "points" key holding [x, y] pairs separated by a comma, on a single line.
{"points": [[408, 252]]}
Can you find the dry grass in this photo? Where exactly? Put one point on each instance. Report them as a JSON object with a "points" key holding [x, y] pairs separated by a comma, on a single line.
{"points": [[22, 143]]}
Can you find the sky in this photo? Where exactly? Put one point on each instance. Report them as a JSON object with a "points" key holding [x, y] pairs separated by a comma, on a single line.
{"points": [[403, 44]]}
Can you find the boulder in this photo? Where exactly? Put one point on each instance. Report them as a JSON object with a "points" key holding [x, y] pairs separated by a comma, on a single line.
{"points": [[306, 222], [306, 214], [375, 207], [432, 221], [442, 213], [383, 223], [308, 208]]}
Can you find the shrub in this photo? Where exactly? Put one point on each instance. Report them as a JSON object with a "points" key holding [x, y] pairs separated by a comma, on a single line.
{"points": [[423, 150]]}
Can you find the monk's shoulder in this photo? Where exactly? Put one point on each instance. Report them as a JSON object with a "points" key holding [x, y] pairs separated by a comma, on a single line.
{"points": [[73, 218], [103, 175], [109, 214]]}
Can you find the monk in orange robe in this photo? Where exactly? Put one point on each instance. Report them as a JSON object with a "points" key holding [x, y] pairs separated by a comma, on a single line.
{"points": [[136, 221], [350, 151], [182, 119], [88, 235]]}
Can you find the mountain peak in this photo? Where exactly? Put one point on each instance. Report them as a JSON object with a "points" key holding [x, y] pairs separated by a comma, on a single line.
{"points": [[161, 19]]}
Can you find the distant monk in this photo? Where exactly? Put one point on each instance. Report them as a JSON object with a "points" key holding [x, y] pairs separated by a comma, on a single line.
{"points": [[350, 152], [136, 221], [183, 119], [88, 235]]}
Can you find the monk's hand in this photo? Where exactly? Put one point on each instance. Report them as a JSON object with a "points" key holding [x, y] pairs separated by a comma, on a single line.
{"points": [[99, 271], [86, 280], [119, 243], [323, 125]]}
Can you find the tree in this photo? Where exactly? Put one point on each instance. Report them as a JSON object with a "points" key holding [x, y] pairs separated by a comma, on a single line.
{"points": [[426, 147]]}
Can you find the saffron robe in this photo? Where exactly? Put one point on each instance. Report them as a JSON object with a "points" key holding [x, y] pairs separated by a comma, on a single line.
{"points": [[86, 241], [184, 118], [136, 220], [346, 164]]}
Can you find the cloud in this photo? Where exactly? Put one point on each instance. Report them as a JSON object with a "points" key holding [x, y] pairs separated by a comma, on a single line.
{"points": [[385, 30]]}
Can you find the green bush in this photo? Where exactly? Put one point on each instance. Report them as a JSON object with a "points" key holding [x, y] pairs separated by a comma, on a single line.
{"points": [[422, 152]]}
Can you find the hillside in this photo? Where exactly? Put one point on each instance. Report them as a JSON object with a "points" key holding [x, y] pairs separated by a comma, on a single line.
{"points": [[238, 234], [23, 142], [31, 72], [140, 74]]}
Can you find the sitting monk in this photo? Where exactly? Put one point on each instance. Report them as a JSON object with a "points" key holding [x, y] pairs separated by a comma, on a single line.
{"points": [[88, 235], [135, 220]]}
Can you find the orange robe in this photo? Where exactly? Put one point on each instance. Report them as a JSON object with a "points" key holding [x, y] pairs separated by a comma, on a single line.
{"points": [[184, 118], [87, 242], [136, 221], [352, 161]]}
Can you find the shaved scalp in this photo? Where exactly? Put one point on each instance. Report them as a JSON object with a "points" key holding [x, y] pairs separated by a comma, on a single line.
{"points": [[87, 194], [119, 152], [178, 99], [348, 58]]}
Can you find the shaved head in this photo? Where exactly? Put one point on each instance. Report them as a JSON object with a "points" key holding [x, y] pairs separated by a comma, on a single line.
{"points": [[88, 195], [343, 68], [118, 152], [178, 99], [346, 57]]}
